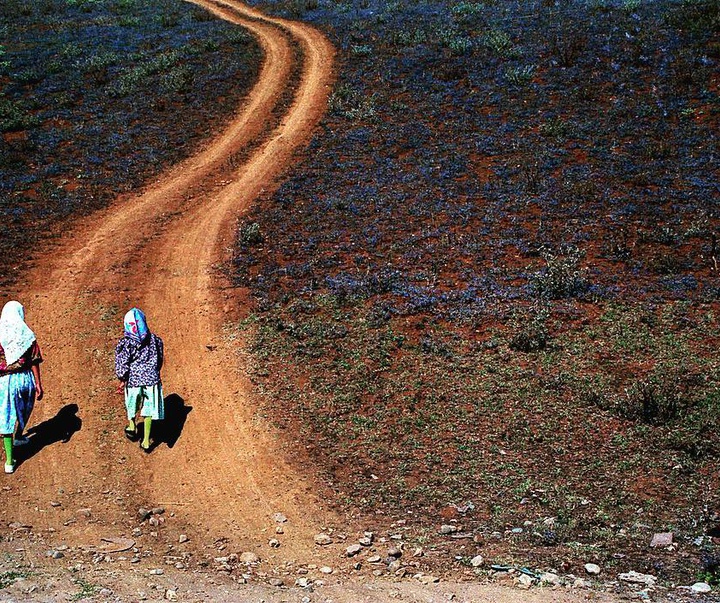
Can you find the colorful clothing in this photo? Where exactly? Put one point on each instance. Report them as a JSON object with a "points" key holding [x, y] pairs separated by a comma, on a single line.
{"points": [[15, 336], [17, 399], [31, 356], [138, 364], [148, 400]]}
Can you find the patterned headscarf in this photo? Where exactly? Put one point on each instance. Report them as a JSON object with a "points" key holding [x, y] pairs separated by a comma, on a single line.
{"points": [[15, 336], [135, 325]]}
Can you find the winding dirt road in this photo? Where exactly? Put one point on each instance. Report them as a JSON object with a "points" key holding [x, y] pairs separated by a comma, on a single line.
{"points": [[225, 476]]}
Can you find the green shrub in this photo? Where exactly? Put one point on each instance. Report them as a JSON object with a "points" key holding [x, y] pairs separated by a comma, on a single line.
{"points": [[520, 75], [562, 276]]}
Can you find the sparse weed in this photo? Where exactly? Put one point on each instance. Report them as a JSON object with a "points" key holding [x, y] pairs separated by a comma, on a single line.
{"points": [[562, 276], [520, 75]]}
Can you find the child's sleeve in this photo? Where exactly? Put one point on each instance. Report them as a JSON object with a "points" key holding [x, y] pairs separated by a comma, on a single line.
{"points": [[161, 352], [122, 360]]}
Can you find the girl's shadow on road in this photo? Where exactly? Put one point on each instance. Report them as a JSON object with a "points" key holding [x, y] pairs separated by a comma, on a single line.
{"points": [[169, 430], [58, 429]]}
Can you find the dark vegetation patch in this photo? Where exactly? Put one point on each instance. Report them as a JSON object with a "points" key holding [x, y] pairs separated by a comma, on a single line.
{"points": [[489, 291], [96, 96]]}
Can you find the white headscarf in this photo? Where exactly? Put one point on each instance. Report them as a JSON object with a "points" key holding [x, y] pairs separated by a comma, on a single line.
{"points": [[15, 336]]}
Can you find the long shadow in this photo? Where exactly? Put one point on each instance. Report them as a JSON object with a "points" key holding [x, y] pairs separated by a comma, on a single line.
{"points": [[170, 429], [58, 429]]}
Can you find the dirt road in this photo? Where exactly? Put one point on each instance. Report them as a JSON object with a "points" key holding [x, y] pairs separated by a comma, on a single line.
{"points": [[157, 251], [221, 475]]}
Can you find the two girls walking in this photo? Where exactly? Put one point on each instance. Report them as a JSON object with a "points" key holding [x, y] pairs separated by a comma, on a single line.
{"points": [[139, 356]]}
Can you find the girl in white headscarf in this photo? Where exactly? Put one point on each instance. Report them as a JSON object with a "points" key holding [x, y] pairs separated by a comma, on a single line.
{"points": [[20, 383]]}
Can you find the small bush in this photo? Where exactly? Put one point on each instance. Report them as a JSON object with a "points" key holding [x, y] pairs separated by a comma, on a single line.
{"points": [[250, 235], [350, 103], [562, 277], [531, 333], [520, 75]]}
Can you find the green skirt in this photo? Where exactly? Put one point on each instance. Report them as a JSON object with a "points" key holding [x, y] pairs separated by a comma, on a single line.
{"points": [[148, 399]]}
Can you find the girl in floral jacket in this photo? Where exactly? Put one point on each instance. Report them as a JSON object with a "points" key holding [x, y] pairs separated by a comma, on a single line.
{"points": [[138, 359]]}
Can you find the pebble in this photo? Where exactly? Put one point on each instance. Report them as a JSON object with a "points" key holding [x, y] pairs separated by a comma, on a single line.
{"points": [[524, 581], [274, 543], [276, 582], [157, 572], [323, 539], [55, 554], [637, 578], [143, 513], [662, 539], [425, 579], [395, 551], [549, 578], [249, 557], [86, 512], [365, 541], [54, 503], [171, 595], [302, 582], [448, 529], [477, 561], [701, 587], [183, 538], [158, 510], [374, 559], [326, 570], [279, 530], [353, 550], [592, 569], [279, 518]]}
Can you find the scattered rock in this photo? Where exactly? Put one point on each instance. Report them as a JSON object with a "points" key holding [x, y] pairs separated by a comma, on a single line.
{"points": [[326, 570], [303, 582], [374, 559], [592, 569], [249, 557], [662, 539], [448, 529], [276, 582], [171, 595], [323, 539], [637, 578], [54, 503], [395, 551], [55, 554], [418, 552], [157, 572], [365, 541], [353, 550], [279, 530], [477, 561], [157, 510], [524, 581], [274, 543], [183, 538], [144, 514], [701, 587], [86, 512], [279, 518], [425, 579], [550, 578]]}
